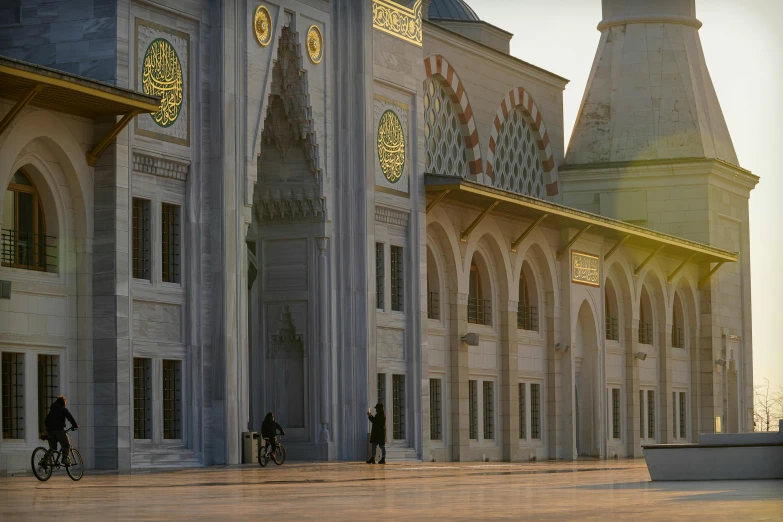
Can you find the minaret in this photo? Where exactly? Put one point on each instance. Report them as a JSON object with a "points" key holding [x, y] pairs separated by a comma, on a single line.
{"points": [[650, 146]]}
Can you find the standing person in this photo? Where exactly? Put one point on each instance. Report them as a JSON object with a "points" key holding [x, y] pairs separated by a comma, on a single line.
{"points": [[269, 430], [55, 428], [378, 433]]}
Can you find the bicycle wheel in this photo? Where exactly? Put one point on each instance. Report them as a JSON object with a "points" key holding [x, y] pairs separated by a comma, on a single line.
{"points": [[279, 455], [76, 469], [41, 462], [263, 460]]}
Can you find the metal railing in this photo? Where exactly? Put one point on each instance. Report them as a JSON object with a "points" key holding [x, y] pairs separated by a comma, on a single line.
{"points": [[612, 329], [645, 333], [433, 305], [479, 311], [527, 317], [28, 250]]}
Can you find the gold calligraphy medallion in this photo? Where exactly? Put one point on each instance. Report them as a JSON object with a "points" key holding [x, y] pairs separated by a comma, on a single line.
{"points": [[262, 26], [161, 76], [315, 45], [391, 146], [585, 269]]}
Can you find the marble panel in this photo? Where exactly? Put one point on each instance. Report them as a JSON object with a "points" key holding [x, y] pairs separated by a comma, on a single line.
{"points": [[285, 265], [390, 343], [157, 321]]}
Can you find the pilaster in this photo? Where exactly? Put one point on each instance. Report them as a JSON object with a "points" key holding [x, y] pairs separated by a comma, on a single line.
{"points": [[458, 360], [509, 371], [633, 413]]}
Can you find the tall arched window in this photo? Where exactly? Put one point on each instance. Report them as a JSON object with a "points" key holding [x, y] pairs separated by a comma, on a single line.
{"points": [[433, 287], [24, 226], [527, 313], [610, 309], [678, 324], [645, 319], [479, 307]]}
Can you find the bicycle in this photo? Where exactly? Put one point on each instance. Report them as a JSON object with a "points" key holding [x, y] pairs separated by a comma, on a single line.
{"points": [[265, 453], [46, 460]]}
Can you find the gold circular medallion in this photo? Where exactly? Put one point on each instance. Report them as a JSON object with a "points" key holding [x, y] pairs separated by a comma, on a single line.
{"points": [[161, 75], [315, 44], [262, 26], [391, 146]]}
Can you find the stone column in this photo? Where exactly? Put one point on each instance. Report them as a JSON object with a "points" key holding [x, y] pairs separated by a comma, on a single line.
{"points": [[665, 382], [324, 359], [509, 371], [632, 391], [458, 359], [553, 408]]}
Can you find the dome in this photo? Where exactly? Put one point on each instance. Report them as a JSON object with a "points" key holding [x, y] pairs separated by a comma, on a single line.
{"points": [[456, 10]]}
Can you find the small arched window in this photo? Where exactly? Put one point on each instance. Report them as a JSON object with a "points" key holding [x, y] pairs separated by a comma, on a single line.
{"points": [[24, 226], [678, 324], [645, 319], [610, 309], [479, 308], [527, 314]]}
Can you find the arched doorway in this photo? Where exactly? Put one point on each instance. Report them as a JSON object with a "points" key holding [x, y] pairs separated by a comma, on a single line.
{"points": [[586, 379]]}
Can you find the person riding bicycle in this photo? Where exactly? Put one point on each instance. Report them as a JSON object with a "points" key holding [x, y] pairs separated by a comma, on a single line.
{"points": [[269, 430], [55, 428]]}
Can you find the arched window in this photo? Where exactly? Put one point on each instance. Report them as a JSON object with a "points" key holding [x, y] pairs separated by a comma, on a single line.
{"points": [[445, 143], [479, 307], [433, 288], [24, 237], [518, 166], [527, 313], [678, 324], [645, 319], [610, 309]]}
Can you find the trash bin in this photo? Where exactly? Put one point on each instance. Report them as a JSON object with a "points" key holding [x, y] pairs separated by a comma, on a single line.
{"points": [[249, 447]]}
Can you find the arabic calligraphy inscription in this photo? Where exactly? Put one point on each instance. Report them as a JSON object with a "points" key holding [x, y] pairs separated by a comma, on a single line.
{"points": [[391, 146], [162, 76], [585, 269], [262, 26], [315, 44]]}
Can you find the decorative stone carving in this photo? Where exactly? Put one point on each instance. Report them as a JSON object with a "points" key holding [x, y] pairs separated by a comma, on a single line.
{"points": [[286, 343], [518, 165], [391, 216], [262, 26], [315, 44], [398, 20], [165, 168], [445, 144], [290, 206]]}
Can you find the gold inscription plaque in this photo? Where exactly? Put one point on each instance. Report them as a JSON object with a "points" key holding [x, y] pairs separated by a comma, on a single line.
{"points": [[585, 269], [391, 146], [262, 26], [162, 76], [397, 20], [315, 44]]}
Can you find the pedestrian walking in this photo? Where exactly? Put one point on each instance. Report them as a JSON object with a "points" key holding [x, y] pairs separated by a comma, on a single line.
{"points": [[378, 433]]}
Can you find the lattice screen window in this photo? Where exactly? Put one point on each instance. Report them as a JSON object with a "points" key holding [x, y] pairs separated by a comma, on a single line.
{"points": [[615, 413], [141, 238], [435, 409], [48, 386], [382, 389], [398, 407], [522, 412], [142, 398], [517, 163], [172, 399], [489, 410], [473, 409], [443, 133], [535, 411], [170, 243], [13, 395]]}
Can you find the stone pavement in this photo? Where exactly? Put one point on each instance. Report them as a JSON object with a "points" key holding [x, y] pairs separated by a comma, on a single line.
{"points": [[585, 490]]}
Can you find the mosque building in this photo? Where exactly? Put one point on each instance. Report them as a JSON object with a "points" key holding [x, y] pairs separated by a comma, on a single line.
{"points": [[218, 209]]}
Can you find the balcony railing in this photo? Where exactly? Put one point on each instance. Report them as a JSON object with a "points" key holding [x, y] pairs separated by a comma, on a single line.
{"points": [[433, 305], [27, 250], [645, 333], [612, 329], [678, 337], [527, 318], [479, 311]]}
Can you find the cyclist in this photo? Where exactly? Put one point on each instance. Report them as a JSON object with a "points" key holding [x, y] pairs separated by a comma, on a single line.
{"points": [[55, 427], [269, 430]]}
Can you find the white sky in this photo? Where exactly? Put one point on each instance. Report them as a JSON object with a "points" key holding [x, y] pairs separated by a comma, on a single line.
{"points": [[743, 45]]}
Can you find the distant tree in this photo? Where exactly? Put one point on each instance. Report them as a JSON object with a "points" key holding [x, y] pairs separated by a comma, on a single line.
{"points": [[768, 407]]}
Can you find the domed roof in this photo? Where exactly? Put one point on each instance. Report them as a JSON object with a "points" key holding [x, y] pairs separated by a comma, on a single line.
{"points": [[456, 10]]}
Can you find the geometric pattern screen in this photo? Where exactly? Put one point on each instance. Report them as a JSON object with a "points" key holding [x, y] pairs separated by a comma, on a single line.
{"points": [[517, 164], [445, 147]]}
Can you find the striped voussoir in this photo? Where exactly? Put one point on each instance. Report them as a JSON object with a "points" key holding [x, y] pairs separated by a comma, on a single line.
{"points": [[436, 65], [518, 97]]}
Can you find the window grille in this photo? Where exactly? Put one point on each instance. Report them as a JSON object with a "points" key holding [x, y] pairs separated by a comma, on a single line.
{"points": [[527, 318], [171, 248], [435, 409], [172, 403], [473, 408], [674, 414], [650, 414], [678, 338], [445, 142], [615, 413], [641, 414], [518, 165], [13, 395], [382, 388], [683, 433], [379, 276], [479, 311], [398, 420], [535, 411], [48, 386], [522, 412], [645, 333], [141, 238], [612, 330], [433, 305], [489, 410], [397, 263], [24, 242], [142, 398]]}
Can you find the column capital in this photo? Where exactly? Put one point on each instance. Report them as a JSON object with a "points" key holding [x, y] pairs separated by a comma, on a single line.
{"points": [[322, 243]]}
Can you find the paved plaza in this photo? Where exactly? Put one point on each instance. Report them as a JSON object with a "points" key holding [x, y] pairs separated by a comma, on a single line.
{"points": [[584, 490]]}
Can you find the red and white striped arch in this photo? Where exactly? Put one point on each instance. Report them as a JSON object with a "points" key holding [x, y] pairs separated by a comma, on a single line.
{"points": [[519, 97], [436, 65]]}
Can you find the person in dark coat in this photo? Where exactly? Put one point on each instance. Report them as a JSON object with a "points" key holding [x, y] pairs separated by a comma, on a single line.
{"points": [[55, 427], [378, 433], [269, 430]]}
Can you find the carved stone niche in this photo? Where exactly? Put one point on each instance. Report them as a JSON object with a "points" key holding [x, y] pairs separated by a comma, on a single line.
{"points": [[287, 380], [286, 343]]}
